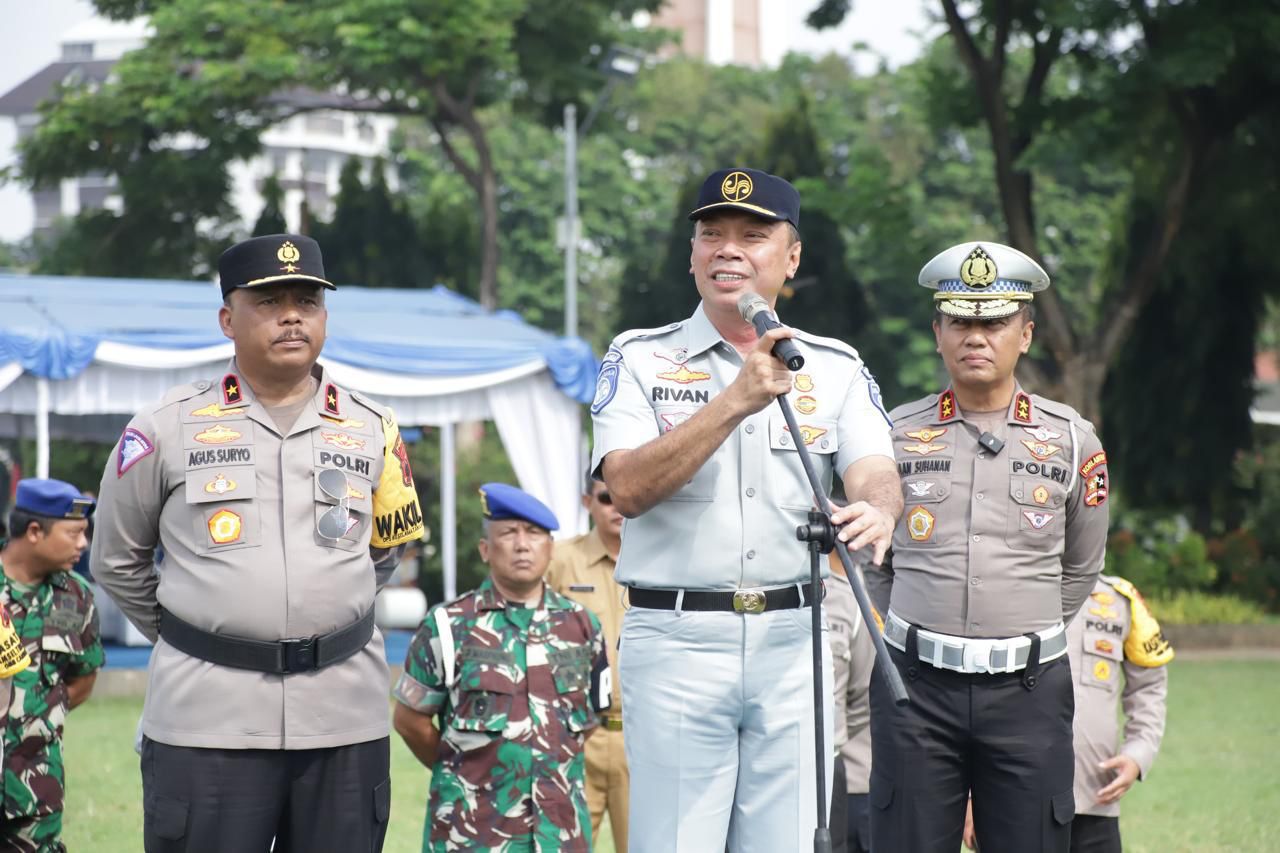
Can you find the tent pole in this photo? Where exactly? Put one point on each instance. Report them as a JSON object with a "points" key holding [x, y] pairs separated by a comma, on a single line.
{"points": [[42, 427], [448, 511]]}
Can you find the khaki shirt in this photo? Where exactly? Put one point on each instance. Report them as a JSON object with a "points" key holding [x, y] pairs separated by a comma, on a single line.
{"points": [[206, 476], [853, 658], [996, 544], [734, 524], [1115, 633], [581, 569]]}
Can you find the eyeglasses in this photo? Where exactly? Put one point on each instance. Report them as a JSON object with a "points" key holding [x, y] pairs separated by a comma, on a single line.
{"points": [[336, 521], [605, 498]]}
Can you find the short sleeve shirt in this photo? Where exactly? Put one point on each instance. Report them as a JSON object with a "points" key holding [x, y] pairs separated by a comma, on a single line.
{"points": [[733, 524]]}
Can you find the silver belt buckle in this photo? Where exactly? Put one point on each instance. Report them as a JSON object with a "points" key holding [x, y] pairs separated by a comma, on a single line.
{"points": [[748, 601]]}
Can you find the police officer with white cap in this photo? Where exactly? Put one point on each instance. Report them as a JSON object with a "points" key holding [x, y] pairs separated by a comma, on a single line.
{"points": [[999, 545], [716, 652]]}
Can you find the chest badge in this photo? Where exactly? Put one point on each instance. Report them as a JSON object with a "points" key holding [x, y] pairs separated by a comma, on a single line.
{"points": [[343, 423], [803, 382], [217, 434], [927, 434], [1037, 520], [1042, 433], [920, 524], [1102, 671], [341, 439], [1103, 612], [1103, 597], [806, 405], [671, 420], [225, 527], [1040, 450], [923, 449], [213, 410], [220, 485], [920, 488], [683, 375], [1040, 495], [1106, 647]]}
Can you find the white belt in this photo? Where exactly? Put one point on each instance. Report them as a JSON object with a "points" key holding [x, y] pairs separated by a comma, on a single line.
{"points": [[971, 655]]}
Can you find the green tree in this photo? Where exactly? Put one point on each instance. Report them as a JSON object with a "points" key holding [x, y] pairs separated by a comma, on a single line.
{"points": [[217, 73], [271, 220]]}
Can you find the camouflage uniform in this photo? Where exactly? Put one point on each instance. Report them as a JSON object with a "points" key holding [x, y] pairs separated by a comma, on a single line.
{"points": [[58, 624], [510, 773]]}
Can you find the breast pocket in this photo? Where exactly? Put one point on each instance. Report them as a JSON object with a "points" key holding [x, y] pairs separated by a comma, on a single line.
{"points": [[486, 695], [1100, 664], [224, 512], [348, 520], [789, 487], [571, 672], [1037, 514]]}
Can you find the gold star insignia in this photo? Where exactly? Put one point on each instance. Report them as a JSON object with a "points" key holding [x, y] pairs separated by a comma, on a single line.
{"points": [[333, 400], [232, 390]]}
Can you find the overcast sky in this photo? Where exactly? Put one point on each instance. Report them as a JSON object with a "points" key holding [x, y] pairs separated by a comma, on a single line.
{"points": [[31, 30]]}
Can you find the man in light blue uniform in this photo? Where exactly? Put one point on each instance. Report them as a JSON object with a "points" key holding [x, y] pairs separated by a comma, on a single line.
{"points": [[716, 654]]}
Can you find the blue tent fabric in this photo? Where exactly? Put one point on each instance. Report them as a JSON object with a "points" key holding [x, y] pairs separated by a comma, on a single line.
{"points": [[51, 325]]}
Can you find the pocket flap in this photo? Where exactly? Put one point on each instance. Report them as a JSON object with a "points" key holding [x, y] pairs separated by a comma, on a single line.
{"points": [[818, 434], [1064, 807], [881, 790], [166, 818], [924, 489]]}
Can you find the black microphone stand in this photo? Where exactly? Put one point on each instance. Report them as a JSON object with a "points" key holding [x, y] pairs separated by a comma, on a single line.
{"points": [[821, 536]]}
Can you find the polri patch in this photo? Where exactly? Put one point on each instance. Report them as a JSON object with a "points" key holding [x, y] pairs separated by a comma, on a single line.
{"points": [[133, 447]]}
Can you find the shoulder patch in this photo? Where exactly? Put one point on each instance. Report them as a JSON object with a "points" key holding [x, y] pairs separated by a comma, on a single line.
{"points": [[915, 407], [134, 446], [1145, 645], [607, 379], [377, 408]]}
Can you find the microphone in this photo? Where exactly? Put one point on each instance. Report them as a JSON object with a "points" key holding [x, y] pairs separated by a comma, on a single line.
{"points": [[755, 310]]}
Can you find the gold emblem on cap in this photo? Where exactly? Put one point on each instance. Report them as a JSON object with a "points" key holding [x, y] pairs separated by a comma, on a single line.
{"points": [[978, 270], [736, 186], [289, 256]]}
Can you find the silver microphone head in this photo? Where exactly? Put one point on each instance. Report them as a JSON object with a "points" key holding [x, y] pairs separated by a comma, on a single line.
{"points": [[751, 304]]}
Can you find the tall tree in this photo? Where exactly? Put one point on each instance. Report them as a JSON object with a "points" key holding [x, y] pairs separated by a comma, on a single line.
{"points": [[219, 73], [1169, 85]]}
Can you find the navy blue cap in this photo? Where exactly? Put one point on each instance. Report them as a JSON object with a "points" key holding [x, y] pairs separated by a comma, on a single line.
{"points": [[749, 190], [53, 499], [273, 259], [499, 501]]}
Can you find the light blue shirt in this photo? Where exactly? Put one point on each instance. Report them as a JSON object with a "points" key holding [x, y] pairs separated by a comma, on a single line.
{"points": [[734, 524]]}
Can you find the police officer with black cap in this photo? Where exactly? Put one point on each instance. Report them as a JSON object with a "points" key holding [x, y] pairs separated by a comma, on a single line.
{"points": [[716, 654], [281, 501]]}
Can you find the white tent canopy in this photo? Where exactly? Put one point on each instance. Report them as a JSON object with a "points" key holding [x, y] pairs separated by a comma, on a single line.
{"points": [[79, 356]]}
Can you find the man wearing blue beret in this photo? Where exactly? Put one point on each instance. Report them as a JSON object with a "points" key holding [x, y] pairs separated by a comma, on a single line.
{"points": [[53, 612], [500, 690]]}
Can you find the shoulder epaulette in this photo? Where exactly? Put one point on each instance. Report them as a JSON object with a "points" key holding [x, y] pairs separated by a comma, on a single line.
{"points": [[185, 391], [827, 343], [1145, 645], [377, 408], [915, 407], [638, 334], [1061, 410]]}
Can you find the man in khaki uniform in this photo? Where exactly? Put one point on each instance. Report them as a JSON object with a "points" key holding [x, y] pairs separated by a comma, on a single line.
{"points": [[998, 547], [281, 502], [853, 656], [582, 569]]}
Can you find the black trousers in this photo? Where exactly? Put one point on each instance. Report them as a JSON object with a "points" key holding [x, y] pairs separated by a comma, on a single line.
{"points": [[1006, 738], [859, 825], [839, 819], [334, 800], [1095, 834]]}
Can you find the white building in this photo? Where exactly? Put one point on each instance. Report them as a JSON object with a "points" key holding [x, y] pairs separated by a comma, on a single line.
{"points": [[306, 153]]}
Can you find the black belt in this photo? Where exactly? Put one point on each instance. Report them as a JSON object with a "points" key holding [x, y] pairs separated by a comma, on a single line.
{"points": [[739, 601], [283, 657]]}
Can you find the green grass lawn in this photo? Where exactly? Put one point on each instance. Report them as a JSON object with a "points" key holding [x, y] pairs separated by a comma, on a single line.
{"points": [[1215, 787]]}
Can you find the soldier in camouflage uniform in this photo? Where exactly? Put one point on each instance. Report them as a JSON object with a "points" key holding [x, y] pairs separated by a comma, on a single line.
{"points": [[514, 673], [52, 610]]}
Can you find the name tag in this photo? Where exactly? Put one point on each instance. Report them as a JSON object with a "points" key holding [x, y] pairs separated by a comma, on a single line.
{"points": [[582, 587]]}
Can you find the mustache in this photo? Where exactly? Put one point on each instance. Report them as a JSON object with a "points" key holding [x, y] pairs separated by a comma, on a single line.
{"points": [[292, 336]]}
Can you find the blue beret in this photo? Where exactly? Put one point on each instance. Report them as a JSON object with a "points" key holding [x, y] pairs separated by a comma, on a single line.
{"points": [[499, 501], [52, 499]]}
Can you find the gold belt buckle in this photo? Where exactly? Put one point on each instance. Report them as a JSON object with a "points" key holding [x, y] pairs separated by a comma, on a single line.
{"points": [[748, 601], [613, 724]]}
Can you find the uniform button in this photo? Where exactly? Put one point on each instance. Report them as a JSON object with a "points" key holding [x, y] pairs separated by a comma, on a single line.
{"points": [[784, 441], [202, 385], [982, 456], [750, 428], [975, 624], [979, 496], [825, 444], [977, 538], [751, 493], [1017, 494], [975, 581], [751, 555]]}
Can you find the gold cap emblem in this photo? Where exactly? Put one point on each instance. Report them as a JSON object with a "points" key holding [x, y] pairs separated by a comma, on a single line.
{"points": [[289, 255], [978, 270], [736, 186]]}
